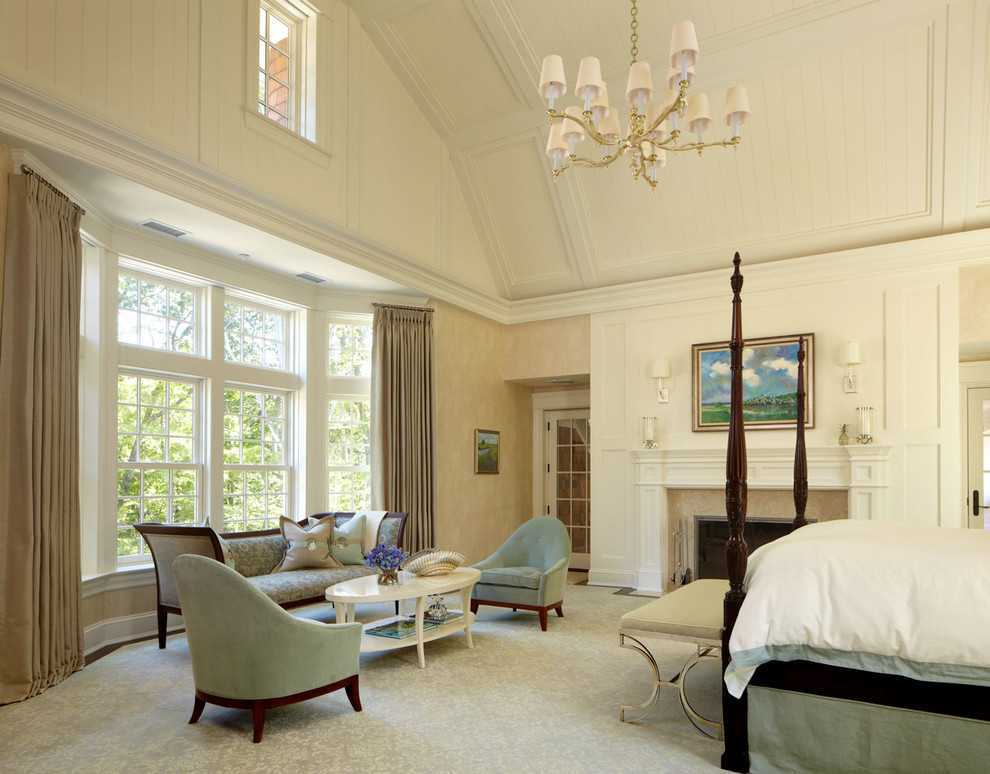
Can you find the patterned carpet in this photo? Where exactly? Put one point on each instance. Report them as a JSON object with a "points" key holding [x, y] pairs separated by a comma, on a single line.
{"points": [[520, 701]]}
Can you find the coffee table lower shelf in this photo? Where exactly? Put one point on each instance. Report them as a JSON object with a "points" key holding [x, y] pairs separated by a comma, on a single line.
{"points": [[374, 643]]}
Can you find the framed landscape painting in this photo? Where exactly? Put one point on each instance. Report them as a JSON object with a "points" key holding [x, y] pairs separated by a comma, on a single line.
{"points": [[486, 451], [769, 383]]}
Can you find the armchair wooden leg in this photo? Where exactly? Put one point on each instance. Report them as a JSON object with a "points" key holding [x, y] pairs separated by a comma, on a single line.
{"points": [[353, 695], [543, 618], [258, 709], [560, 611], [162, 625], [198, 705]]}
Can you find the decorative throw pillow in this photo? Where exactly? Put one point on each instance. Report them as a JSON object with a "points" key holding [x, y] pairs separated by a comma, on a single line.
{"points": [[348, 541], [228, 553], [307, 547]]}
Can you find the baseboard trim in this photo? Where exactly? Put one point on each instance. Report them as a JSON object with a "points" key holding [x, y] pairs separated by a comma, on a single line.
{"points": [[115, 632]]}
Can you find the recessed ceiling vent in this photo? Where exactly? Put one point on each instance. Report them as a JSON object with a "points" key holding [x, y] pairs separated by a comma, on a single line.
{"points": [[311, 278], [163, 228]]}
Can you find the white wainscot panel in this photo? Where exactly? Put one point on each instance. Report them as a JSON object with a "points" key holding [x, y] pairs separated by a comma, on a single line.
{"points": [[921, 484]]}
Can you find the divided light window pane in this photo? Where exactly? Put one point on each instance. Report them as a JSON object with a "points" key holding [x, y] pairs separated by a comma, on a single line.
{"points": [[255, 478], [274, 59], [156, 314], [255, 336], [350, 349], [348, 454], [157, 455]]}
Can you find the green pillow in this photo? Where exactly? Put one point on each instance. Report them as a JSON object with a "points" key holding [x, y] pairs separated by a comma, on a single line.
{"points": [[348, 541]]}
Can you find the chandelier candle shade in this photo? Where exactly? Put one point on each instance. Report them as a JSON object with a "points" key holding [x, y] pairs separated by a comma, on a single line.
{"points": [[653, 128]]}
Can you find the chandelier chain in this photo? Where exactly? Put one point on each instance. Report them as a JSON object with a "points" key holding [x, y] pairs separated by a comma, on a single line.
{"points": [[634, 37]]}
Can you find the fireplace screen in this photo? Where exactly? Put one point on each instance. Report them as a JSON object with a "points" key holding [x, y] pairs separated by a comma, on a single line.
{"points": [[711, 533]]}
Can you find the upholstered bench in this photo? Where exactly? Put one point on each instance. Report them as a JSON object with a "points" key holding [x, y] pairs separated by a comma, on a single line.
{"points": [[255, 555], [691, 613]]}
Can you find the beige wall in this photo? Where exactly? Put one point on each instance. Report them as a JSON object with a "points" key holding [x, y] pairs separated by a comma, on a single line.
{"points": [[974, 311], [476, 512], [548, 348]]}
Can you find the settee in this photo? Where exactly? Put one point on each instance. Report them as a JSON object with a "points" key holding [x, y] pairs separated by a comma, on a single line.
{"points": [[255, 555]]}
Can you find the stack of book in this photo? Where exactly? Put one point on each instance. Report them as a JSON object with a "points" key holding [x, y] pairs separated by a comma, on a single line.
{"points": [[398, 630], [447, 617]]}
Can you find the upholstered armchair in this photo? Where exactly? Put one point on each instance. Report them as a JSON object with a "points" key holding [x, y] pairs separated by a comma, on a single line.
{"points": [[249, 653], [529, 571]]}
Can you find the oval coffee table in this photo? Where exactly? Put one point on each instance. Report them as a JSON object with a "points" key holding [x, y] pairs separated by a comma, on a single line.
{"points": [[349, 593]]}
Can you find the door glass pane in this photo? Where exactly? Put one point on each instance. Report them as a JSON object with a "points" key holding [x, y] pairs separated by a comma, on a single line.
{"points": [[573, 491]]}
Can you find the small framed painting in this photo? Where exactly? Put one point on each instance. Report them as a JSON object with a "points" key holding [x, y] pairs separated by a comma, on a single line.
{"points": [[769, 383], [486, 451]]}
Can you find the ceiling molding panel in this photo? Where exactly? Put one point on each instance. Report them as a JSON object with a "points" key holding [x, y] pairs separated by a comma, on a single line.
{"points": [[441, 50], [824, 154], [520, 214]]}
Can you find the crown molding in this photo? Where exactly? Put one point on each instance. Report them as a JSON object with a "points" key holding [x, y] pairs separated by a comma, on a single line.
{"points": [[28, 113]]}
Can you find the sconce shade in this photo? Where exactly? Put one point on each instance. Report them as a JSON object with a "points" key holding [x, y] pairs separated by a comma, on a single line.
{"points": [[849, 353], [659, 369]]}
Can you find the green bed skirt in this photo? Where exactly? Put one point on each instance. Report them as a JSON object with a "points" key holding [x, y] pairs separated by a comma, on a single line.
{"points": [[793, 732]]}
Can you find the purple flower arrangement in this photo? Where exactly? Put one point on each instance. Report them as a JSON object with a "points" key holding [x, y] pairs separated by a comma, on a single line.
{"points": [[385, 557]]}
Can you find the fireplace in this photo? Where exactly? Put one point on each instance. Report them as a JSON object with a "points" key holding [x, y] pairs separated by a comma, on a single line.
{"points": [[711, 532]]}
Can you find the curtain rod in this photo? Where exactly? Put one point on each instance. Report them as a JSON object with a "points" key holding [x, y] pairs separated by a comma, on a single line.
{"points": [[26, 170], [410, 308]]}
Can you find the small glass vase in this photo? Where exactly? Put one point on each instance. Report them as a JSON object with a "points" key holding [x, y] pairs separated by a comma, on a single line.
{"points": [[388, 577]]}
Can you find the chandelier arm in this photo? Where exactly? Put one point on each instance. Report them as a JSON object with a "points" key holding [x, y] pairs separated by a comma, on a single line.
{"points": [[581, 161], [586, 124]]}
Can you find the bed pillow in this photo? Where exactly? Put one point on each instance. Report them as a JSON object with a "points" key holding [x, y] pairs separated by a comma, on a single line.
{"points": [[307, 548], [348, 541]]}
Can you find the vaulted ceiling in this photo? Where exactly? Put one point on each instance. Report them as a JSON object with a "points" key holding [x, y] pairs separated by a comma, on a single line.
{"points": [[870, 125]]}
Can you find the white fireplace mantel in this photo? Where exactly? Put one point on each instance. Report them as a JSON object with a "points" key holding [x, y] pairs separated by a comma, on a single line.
{"points": [[862, 470]]}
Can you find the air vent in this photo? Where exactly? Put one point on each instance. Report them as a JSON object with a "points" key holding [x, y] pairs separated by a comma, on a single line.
{"points": [[311, 278], [164, 228]]}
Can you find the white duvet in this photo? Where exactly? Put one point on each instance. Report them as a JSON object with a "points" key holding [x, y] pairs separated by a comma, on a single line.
{"points": [[879, 596]]}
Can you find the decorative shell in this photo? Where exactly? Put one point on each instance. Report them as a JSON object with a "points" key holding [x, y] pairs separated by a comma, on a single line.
{"points": [[433, 561]]}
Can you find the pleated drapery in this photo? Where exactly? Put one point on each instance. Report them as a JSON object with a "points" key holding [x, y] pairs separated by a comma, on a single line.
{"points": [[403, 420], [41, 638]]}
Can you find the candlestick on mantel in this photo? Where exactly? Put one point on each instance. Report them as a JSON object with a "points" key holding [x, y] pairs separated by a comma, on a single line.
{"points": [[649, 429], [865, 424]]}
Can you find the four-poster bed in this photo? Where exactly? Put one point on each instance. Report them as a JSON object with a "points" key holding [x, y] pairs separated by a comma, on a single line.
{"points": [[805, 691]]}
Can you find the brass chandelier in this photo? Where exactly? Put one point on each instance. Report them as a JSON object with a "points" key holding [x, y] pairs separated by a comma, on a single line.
{"points": [[647, 139]]}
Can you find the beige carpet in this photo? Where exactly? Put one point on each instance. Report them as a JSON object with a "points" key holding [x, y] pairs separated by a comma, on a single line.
{"points": [[520, 701]]}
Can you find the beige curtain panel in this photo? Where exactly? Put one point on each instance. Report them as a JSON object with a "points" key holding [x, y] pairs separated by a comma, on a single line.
{"points": [[403, 420], [41, 635]]}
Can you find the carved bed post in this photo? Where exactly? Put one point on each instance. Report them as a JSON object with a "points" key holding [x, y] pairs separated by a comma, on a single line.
{"points": [[734, 726], [800, 452]]}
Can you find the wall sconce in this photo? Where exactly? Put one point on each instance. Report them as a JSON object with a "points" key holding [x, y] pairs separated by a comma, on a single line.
{"points": [[660, 370], [849, 355], [649, 433]]}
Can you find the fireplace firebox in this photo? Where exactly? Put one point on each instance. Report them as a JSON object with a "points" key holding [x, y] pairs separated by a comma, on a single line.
{"points": [[711, 533]]}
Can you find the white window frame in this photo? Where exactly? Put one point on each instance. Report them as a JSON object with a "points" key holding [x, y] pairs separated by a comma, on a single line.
{"points": [[309, 90], [196, 464], [253, 302], [289, 424], [214, 372], [133, 269], [342, 388]]}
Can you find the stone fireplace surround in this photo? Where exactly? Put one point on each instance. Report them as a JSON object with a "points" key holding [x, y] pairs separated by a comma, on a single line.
{"points": [[674, 485]]}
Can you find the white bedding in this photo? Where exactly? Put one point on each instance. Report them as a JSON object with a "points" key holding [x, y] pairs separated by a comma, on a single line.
{"points": [[879, 596]]}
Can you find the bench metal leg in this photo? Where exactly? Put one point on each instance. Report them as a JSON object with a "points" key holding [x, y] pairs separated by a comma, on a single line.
{"points": [[706, 726]]}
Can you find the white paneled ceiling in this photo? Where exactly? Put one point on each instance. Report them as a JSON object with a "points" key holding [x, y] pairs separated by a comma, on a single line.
{"points": [[870, 125]]}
